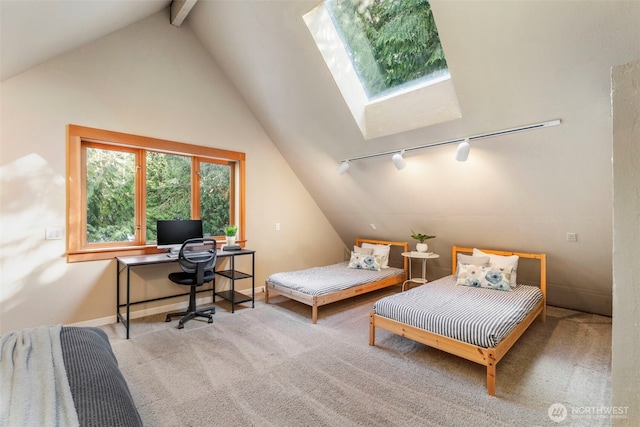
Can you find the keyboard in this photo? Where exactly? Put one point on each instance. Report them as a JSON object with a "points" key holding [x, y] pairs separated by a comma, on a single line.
{"points": [[191, 254], [200, 253]]}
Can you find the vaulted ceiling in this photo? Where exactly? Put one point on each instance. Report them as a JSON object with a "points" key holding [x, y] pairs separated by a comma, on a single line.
{"points": [[36, 31]]}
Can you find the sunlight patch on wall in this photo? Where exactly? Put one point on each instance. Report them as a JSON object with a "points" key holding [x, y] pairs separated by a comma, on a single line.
{"points": [[33, 197]]}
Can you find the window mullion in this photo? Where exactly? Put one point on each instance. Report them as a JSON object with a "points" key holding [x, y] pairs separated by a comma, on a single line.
{"points": [[141, 197], [195, 187], [83, 188]]}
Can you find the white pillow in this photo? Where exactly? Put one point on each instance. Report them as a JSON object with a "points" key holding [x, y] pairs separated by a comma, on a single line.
{"points": [[364, 262], [473, 260], [359, 250], [381, 251], [501, 261]]}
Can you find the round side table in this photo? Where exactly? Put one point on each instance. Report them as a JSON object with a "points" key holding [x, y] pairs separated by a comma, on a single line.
{"points": [[424, 256]]}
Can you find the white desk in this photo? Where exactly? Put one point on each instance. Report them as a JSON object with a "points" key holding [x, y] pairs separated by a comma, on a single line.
{"points": [[424, 256]]}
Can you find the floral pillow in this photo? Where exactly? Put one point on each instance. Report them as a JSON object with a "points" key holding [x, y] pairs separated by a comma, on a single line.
{"points": [[502, 262], [364, 262], [482, 276], [381, 251]]}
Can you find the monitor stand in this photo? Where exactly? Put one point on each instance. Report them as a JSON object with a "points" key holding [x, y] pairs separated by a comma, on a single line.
{"points": [[173, 252]]}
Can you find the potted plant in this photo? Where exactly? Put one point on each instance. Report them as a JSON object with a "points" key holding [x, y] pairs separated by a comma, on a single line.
{"points": [[421, 246], [230, 232]]}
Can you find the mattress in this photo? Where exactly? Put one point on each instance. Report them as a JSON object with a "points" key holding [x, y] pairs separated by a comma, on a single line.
{"points": [[331, 278], [478, 316]]}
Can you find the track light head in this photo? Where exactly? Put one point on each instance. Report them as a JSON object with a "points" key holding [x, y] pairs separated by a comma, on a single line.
{"points": [[344, 166], [462, 152], [399, 161]]}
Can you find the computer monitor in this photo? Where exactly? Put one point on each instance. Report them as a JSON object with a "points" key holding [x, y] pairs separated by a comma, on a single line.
{"points": [[172, 233]]}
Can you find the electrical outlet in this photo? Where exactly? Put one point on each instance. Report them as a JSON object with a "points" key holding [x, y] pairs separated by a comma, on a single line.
{"points": [[373, 226], [572, 237], [53, 234], [277, 226]]}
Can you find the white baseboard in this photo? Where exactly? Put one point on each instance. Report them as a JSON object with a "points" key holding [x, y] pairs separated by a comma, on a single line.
{"points": [[102, 321]]}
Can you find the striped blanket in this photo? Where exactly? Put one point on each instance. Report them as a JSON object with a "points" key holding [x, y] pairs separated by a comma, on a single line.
{"points": [[330, 278], [477, 316]]}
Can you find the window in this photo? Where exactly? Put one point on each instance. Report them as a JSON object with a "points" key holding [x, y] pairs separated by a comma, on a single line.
{"points": [[119, 185], [391, 42], [387, 61]]}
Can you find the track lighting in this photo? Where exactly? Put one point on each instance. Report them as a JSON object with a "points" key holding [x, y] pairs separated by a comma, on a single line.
{"points": [[344, 166], [462, 152], [399, 161]]}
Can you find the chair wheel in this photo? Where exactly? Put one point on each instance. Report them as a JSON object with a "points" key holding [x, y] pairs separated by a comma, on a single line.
{"points": [[210, 320], [180, 325], [168, 319]]}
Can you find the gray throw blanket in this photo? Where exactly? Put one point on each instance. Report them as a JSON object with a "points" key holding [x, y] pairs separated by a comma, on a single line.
{"points": [[34, 389]]}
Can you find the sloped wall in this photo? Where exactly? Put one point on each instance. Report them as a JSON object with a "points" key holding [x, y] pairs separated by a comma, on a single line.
{"points": [[513, 63], [150, 79]]}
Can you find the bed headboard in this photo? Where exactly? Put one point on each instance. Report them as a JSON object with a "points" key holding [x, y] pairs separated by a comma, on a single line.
{"points": [[403, 246], [541, 257]]}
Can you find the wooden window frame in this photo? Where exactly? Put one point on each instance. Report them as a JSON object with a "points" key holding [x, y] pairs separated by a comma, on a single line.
{"points": [[77, 248]]}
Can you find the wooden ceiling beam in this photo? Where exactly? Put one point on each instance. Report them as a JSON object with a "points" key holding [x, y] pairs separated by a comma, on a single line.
{"points": [[179, 11]]}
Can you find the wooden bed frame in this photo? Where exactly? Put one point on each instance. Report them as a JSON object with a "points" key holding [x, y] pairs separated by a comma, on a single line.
{"points": [[316, 301], [488, 357]]}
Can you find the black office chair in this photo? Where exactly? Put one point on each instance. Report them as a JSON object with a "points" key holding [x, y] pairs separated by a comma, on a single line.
{"points": [[197, 258]]}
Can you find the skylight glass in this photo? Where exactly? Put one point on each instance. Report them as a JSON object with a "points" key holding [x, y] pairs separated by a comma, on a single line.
{"points": [[392, 44], [392, 83]]}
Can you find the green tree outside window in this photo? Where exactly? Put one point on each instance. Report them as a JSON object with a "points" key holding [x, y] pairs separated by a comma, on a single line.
{"points": [[391, 42]]}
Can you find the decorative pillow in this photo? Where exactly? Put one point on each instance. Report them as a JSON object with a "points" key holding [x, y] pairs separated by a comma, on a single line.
{"points": [[359, 250], [502, 261], [364, 262], [381, 251], [482, 276], [475, 260]]}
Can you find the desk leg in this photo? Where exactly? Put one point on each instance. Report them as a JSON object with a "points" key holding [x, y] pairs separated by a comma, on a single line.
{"points": [[128, 298], [119, 317], [253, 280], [233, 283], [117, 291], [213, 285]]}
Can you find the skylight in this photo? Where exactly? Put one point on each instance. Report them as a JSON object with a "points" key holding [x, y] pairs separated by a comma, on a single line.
{"points": [[386, 58], [391, 43]]}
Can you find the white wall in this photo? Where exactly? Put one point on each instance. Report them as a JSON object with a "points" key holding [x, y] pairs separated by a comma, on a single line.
{"points": [[625, 365], [150, 79]]}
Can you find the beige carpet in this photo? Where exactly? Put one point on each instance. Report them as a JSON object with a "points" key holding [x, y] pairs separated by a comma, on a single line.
{"points": [[269, 366]]}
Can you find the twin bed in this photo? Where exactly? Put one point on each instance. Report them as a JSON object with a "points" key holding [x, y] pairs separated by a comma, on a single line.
{"points": [[319, 286], [479, 322], [474, 323]]}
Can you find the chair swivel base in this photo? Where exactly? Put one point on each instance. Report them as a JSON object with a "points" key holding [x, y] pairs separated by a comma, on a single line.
{"points": [[190, 314]]}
